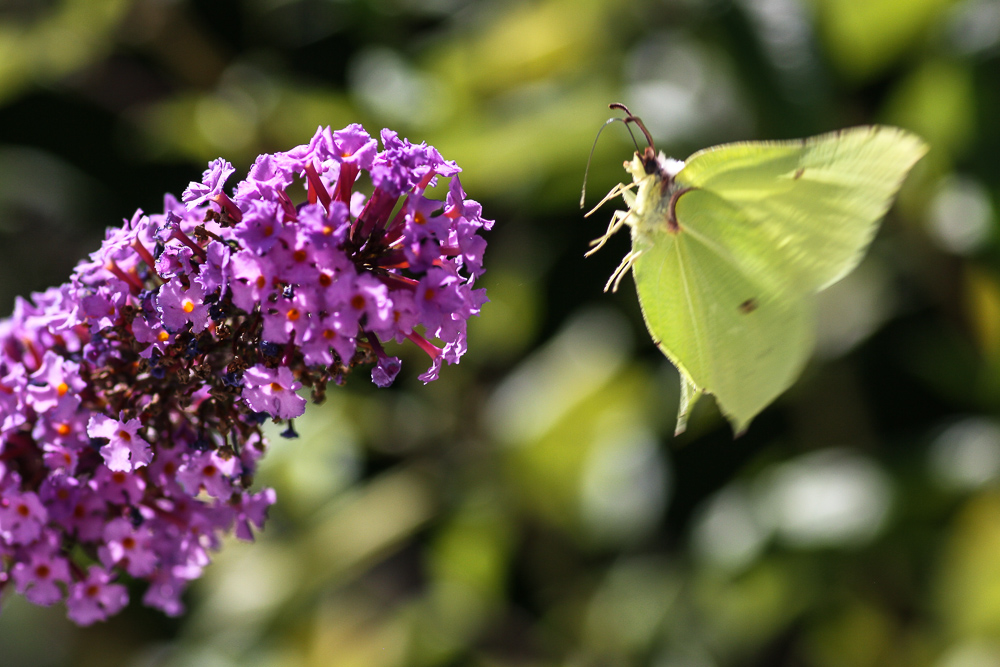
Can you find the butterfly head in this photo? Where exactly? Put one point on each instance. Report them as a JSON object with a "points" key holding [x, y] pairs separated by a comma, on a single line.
{"points": [[646, 164]]}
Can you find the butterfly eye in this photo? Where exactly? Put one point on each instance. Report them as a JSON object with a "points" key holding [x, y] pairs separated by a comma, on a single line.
{"points": [[649, 161]]}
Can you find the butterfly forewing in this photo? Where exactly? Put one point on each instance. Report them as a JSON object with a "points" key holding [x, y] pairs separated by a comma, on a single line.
{"points": [[806, 210]]}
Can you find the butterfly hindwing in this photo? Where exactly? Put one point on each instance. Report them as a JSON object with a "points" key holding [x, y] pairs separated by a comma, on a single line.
{"points": [[727, 331]]}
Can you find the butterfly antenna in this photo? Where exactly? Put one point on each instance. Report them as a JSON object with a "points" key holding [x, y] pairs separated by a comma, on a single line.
{"points": [[586, 172], [629, 118], [632, 118]]}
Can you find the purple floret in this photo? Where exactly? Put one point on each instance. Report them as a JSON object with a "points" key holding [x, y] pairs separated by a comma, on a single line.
{"points": [[211, 184], [273, 391], [95, 598], [126, 449]]}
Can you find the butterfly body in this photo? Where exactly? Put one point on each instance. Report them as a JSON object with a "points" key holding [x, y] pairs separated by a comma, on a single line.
{"points": [[730, 246]]}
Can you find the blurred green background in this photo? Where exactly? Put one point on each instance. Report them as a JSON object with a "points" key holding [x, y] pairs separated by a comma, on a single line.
{"points": [[531, 508]]}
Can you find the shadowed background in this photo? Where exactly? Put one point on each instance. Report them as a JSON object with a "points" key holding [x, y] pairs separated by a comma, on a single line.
{"points": [[531, 508]]}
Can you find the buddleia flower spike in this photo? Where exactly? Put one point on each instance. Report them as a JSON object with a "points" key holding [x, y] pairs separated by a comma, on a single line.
{"points": [[132, 396]]}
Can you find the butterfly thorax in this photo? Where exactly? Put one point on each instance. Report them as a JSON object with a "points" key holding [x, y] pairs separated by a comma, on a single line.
{"points": [[650, 207], [655, 197]]}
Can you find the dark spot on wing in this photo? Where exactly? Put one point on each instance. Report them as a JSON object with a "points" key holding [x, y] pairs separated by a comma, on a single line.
{"points": [[748, 306], [798, 173]]}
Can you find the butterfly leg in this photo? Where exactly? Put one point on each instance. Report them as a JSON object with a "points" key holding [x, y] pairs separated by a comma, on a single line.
{"points": [[619, 273], [619, 189], [617, 220]]}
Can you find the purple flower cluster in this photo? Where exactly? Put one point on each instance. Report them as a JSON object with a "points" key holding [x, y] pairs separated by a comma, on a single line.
{"points": [[131, 397]]}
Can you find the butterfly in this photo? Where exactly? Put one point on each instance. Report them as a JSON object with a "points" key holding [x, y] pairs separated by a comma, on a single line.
{"points": [[730, 246]]}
